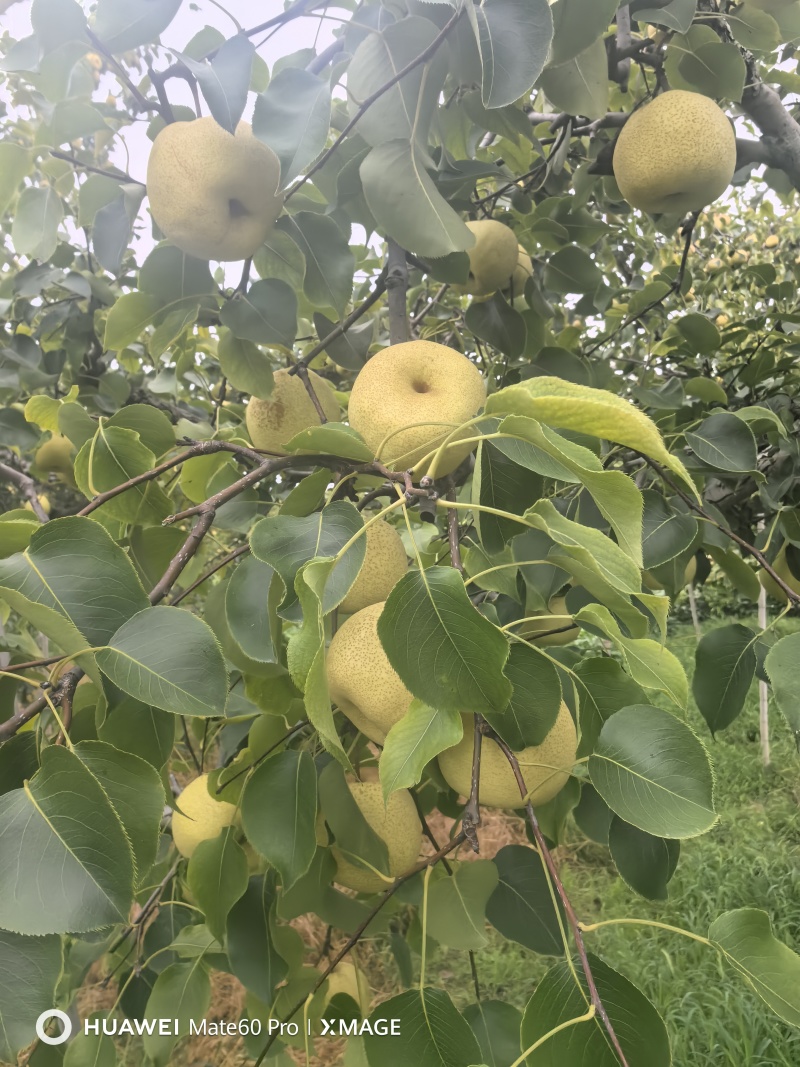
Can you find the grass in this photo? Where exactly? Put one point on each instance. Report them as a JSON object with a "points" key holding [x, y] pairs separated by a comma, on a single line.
{"points": [[750, 858]]}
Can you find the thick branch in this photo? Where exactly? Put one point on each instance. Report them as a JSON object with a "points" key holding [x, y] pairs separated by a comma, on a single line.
{"points": [[397, 287]]}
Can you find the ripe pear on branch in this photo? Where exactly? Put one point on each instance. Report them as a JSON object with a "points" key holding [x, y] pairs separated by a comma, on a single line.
{"points": [[545, 768], [551, 627], [361, 680], [212, 193], [782, 569], [201, 816], [493, 259], [385, 563], [397, 823], [288, 411], [409, 398], [676, 154]]}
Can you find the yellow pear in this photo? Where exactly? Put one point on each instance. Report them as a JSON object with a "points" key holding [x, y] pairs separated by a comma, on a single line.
{"points": [[493, 258], [201, 817], [55, 457], [544, 767], [384, 565], [408, 398], [676, 154], [397, 824], [781, 568], [272, 423], [212, 193], [351, 980], [652, 583], [44, 500], [522, 271], [361, 680], [557, 617]]}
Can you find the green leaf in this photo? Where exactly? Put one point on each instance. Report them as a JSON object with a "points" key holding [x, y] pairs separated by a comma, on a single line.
{"points": [[666, 531], [15, 163], [715, 68], [286, 542], [754, 28], [579, 86], [496, 1024], [500, 483], [650, 663], [66, 865], [724, 443], [141, 730], [404, 111], [279, 257], [783, 668], [725, 663], [181, 992], [126, 320], [602, 687], [38, 215], [638, 1026], [497, 323], [168, 658], [172, 275], [247, 610], [701, 333], [217, 878], [645, 862], [457, 905], [446, 653], [332, 439], [74, 570], [413, 742], [328, 281], [432, 1033], [155, 430], [253, 956], [126, 24], [745, 938], [572, 270], [654, 773], [577, 24], [30, 968], [513, 38], [293, 116], [589, 411], [266, 314], [279, 810], [244, 365], [534, 704], [521, 907], [225, 79], [406, 204], [136, 794], [91, 1050], [113, 456]]}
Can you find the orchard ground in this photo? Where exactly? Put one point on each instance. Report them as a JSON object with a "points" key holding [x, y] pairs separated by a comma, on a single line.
{"points": [[750, 857]]}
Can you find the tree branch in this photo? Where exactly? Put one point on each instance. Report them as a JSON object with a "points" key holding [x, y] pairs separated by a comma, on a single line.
{"points": [[342, 327], [572, 918], [27, 487], [397, 287]]}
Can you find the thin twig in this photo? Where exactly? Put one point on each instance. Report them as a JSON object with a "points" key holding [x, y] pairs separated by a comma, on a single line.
{"points": [[27, 486], [305, 377], [572, 918], [423, 57], [342, 327], [226, 559], [453, 534], [115, 175]]}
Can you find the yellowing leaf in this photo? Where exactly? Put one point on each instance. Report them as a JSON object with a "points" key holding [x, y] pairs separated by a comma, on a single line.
{"points": [[591, 411]]}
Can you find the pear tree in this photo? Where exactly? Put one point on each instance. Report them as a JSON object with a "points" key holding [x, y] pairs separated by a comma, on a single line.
{"points": [[366, 406]]}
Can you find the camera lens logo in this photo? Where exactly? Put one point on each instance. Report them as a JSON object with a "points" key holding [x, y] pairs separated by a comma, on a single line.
{"points": [[66, 1027]]}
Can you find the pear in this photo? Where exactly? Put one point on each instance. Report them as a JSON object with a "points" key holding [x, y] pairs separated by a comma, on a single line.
{"points": [[201, 816], [408, 398], [493, 258], [212, 193], [544, 767], [555, 619], [384, 565], [781, 568], [397, 824], [676, 154], [55, 457], [522, 271], [361, 680], [289, 410]]}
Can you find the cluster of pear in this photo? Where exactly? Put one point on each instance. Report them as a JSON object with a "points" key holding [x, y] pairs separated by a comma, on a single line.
{"points": [[676, 154]]}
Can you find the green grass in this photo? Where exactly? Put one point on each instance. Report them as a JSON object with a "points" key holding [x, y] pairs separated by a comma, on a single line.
{"points": [[750, 858]]}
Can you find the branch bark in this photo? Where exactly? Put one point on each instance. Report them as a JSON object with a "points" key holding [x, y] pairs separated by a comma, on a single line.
{"points": [[397, 287], [27, 486]]}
